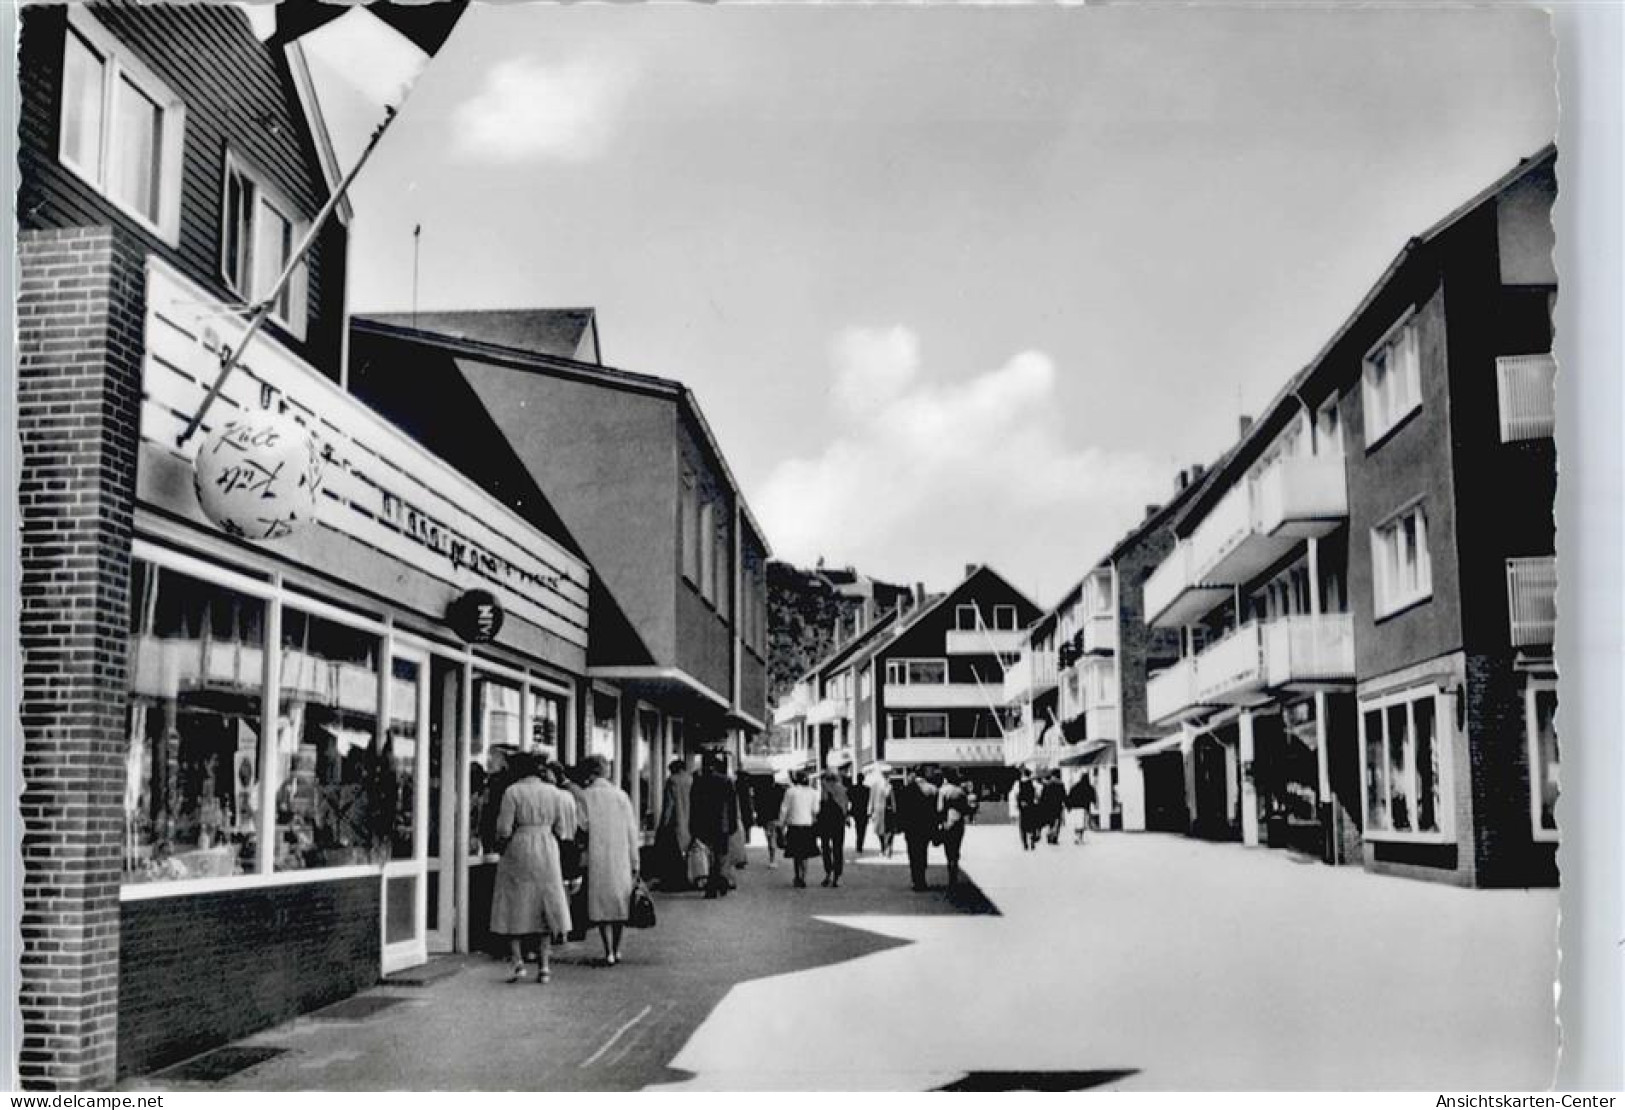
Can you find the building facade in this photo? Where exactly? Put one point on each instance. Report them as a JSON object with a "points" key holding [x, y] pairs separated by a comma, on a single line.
{"points": [[246, 764], [1365, 586]]}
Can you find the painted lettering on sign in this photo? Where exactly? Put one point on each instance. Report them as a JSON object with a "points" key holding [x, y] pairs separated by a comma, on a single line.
{"points": [[419, 526]]}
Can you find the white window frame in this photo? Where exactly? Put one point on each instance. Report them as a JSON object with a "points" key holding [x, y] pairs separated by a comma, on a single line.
{"points": [[1443, 742], [1380, 421], [910, 718], [897, 672], [119, 63], [959, 618], [1536, 772], [262, 196], [1385, 594], [999, 612]]}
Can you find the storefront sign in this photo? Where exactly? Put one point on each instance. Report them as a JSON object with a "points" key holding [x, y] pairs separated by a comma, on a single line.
{"points": [[257, 476], [476, 616], [379, 488]]}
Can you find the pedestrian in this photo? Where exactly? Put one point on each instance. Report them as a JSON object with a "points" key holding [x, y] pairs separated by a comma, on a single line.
{"points": [[954, 809], [742, 820], [1027, 809], [917, 816], [894, 787], [612, 855], [880, 799], [1052, 801], [529, 898], [858, 792], [797, 814], [767, 802], [1080, 800], [672, 836], [713, 817], [833, 808]]}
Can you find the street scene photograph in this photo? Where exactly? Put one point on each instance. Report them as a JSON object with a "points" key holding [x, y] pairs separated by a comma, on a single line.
{"points": [[787, 548]]}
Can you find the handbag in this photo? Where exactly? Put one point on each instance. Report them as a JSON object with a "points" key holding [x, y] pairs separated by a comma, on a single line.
{"points": [[699, 861], [641, 913]]}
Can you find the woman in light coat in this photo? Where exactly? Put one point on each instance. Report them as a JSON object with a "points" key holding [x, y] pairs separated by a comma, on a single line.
{"points": [[529, 898], [879, 801], [612, 855]]}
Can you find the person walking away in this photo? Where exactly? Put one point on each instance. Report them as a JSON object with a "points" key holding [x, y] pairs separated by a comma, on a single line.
{"points": [[833, 807], [917, 815], [1052, 801], [1027, 809], [1080, 800], [739, 800], [712, 819], [767, 803], [954, 809], [672, 835], [529, 898], [880, 812], [858, 792], [797, 814], [612, 855]]}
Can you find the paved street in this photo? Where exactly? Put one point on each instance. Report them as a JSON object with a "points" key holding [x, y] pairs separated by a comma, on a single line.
{"points": [[1134, 962]]}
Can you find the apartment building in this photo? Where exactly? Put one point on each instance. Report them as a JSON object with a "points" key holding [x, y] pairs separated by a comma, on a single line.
{"points": [[1364, 588]]}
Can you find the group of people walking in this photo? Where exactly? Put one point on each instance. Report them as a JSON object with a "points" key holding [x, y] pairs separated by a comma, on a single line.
{"points": [[559, 832], [1042, 804]]}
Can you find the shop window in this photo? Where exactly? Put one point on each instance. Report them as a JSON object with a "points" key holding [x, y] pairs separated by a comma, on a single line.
{"points": [[400, 755], [602, 738], [546, 722], [1392, 381], [259, 232], [1402, 570], [1404, 767], [1540, 722], [121, 127], [192, 795], [335, 798]]}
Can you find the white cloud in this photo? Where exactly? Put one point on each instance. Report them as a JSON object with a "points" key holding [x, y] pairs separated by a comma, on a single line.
{"points": [[527, 110], [929, 476]]}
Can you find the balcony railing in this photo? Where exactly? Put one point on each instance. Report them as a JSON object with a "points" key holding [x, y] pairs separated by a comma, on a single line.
{"points": [[1528, 395], [1100, 634], [942, 695], [1300, 496], [1018, 745], [1532, 600], [1230, 667], [966, 750], [1101, 723], [984, 641], [1172, 692]]}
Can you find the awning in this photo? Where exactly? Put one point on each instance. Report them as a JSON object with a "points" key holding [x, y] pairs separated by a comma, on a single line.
{"points": [[1157, 747], [1091, 753]]}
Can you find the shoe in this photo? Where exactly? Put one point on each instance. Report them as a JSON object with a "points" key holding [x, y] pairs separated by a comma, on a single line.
{"points": [[772, 865], [835, 882], [710, 894], [518, 974], [612, 959], [799, 882], [825, 882], [545, 975]]}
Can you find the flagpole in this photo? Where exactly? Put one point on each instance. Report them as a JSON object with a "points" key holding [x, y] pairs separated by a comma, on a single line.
{"points": [[262, 311]]}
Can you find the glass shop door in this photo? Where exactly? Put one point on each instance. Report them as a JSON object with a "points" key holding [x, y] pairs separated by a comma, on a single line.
{"points": [[404, 763]]}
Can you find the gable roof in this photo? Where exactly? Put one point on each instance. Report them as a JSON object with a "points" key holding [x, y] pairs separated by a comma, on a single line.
{"points": [[932, 605], [547, 331]]}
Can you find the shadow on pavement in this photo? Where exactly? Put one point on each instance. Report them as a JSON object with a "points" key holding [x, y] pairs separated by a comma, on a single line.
{"points": [[987, 1082]]}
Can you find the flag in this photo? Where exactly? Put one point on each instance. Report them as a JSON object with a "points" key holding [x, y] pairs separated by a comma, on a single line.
{"points": [[425, 26]]}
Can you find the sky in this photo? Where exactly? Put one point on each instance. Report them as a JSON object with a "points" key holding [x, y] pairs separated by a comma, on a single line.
{"points": [[952, 285]]}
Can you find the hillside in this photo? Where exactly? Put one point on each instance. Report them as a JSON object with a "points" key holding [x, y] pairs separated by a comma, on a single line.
{"points": [[805, 609]]}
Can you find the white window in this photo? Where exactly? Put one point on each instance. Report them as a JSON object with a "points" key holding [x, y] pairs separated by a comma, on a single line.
{"points": [[121, 127], [1393, 380], [966, 618], [708, 550], [688, 510], [1407, 768], [1004, 618], [1401, 570], [1540, 717], [259, 232]]}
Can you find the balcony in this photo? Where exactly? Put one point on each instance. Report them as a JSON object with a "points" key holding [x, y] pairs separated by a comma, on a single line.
{"points": [[1100, 634], [1255, 524], [966, 750], [1018, 680], [1018, 745], [1527, 386], [942, 695], [1301, 652], [828, 710], [1532, 600], [985, 641], [1170, 694], [1101, 722]]}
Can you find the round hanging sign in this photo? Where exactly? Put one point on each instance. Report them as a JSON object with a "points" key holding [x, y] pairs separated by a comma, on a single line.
{"points": [[258, 476], [476, 616]]}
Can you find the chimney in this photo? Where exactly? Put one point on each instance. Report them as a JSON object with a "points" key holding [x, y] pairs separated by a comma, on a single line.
{"points": [[919, 593], [970, 569], [1246, 425], [1183, 480], [1197, 470], [1151, 511]]}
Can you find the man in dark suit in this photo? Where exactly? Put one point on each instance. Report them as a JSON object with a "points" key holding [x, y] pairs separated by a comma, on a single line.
{"points": [[917, 814], [713, 815], [1027, 809]]}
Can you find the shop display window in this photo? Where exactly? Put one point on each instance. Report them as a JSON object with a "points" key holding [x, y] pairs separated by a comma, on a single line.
{"points": [[197, 654], [1404, 772], [335, 795], [400, 754]]}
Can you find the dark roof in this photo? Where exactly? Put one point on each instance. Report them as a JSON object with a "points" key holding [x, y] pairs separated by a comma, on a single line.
{"points": [[547, 331], [851, 647], [1162, 516], [1248, 447]]}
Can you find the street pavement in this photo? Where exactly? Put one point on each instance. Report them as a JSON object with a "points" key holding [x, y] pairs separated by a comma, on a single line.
{"points": [[1145, 962]]}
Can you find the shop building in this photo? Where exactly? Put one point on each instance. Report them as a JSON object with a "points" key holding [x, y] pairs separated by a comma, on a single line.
{"points": [[1365, 588], [933, 690], [247, 765], [626, 468]]}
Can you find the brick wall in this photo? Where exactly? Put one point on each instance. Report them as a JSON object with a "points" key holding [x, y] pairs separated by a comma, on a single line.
{"points": [[199, 970], [1504, 846], [79, 314]]}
